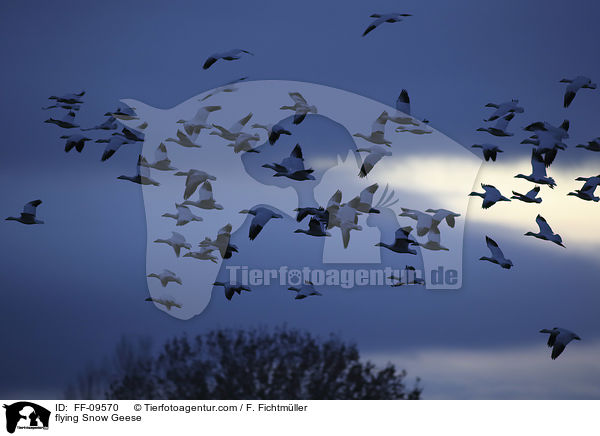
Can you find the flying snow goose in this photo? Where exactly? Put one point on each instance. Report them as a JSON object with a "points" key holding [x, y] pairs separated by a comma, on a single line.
{"points": [[234, 131], [183, 216], [124, 113], [376, 153], [547, 146], [593, 145], [292, 167], [545, 232], [384, 18], [166, 277], [205, 198], [490, 197], [262, 215], [183, 140], [274, 131], [500, 127], [300, 107], [221, 243], [433, 241], [489, 151], [200, 120], [505, 108], [305, 290], [377, 135], [574, 85], [68, 122], [410, 274], [204, 254], [72, 98], [232, 288], [193, 179], [402, 242], [161, 159], [303, 212], [176, 241], [76, 141], [424, 220], [363, 202], [229, 55], [168, 303], [414, 131], [316, 227], [559, 339], [588, 189], [244, 142], [440, 215], [530, 197], [67, 106], [112, 145], [346, 218], [402, 110], [497, 255], [143, 174], [333, 206], [28, 214], [559, 133], [538, 171]]}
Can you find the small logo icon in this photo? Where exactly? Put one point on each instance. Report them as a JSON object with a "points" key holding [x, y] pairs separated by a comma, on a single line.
{"points": [[26, 415]]}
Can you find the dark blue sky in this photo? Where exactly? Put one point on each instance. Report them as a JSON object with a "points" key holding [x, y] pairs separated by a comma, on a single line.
{"points": [[72, 287]]}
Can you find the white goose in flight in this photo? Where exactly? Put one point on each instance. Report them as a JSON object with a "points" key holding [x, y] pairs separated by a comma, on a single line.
{"points": [[497, 255], [176, 241], [410, 274], [183, 140], [559, 133], [300, 107], [500, 127], [193, 179], [274, 131], [433, 241], [316, 227], [124, 113], [112, 145], [68, 122], [206, 199], [109, 124], [559, 338], [221, 243], [574, 85], [234, 131], [232, 288], [262, 215], [161, 159], [376, 153], [402, 242], [593, 145], [440, 215], [292, 167], [538, 171], [72, 98], [229, 55], [28, 215], [204, 254], [490, 151], [305, 290], [167, 302], [76, 141], [384, 18], [143, 174], [424, 220], [545, 232], [530, 197], [490, 196], [67, 106], [505, 108], [183, 216], [166, 277], [377, 135], [587, 190], [364, 201], [402, 110], [194, 125], [244, 142]]}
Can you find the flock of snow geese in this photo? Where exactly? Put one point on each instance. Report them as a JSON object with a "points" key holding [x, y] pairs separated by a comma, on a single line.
{"points": [[546, 139]]}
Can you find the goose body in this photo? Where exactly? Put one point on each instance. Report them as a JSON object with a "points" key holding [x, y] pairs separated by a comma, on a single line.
{"points": [[411, 278], [176, 241], [234, 131], [68, 122], [559, 338], [316, 227], [113, 144], [193, 178], [305, 290], [538, 171], [229, 55], [593, 145], [232, 288], [166, 277], [587, 190], [545, 232], [497, 254], [244, 142], [168, 303], [500, 127], [490, 196], [574, 85], [262, 216], [143, 174], [377, 135], [28, 216], [183, 140], [221, 243], [292, 167], [503, 109], [424, 220], [300, 107], [274, 131], [161, 160], [76, 141], [489, 151], [109, 124], [200, 120], [183, 216], [205, 198], [204, 254], [402, 242], [530, 197], [73, 98], [384, 18], [376, 153]]}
